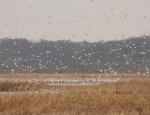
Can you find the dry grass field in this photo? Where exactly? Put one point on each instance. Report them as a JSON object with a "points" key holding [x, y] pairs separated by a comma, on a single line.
{"points": [[72, 75], [117, 98], [25, 86], [54, 79]]}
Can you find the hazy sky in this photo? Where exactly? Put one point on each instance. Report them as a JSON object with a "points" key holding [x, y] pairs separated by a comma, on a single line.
{"points": [[76, 20]]}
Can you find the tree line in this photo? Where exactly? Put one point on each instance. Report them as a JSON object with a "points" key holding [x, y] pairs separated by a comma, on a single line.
{"points": [[64, 56]]}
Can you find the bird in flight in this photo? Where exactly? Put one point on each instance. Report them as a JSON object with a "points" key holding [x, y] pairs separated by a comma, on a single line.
{"points": [[92, 1]]}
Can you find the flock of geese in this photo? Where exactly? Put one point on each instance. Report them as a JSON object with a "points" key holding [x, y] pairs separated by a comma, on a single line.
{"points": [[39, 24], [56, 60], [22, 56]]}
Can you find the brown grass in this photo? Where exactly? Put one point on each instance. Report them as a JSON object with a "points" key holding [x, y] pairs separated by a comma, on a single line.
{"points": [[124, 98], [24, 86], [70, 75]]}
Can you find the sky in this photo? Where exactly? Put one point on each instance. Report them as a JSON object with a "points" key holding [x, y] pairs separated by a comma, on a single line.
{"points": [[77, 20]]}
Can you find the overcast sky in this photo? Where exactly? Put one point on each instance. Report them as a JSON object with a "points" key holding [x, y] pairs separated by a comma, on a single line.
{"points": [[77, 20]]}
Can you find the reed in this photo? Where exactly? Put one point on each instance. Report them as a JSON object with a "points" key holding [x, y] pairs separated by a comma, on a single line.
{"points": [[122, 98]]}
